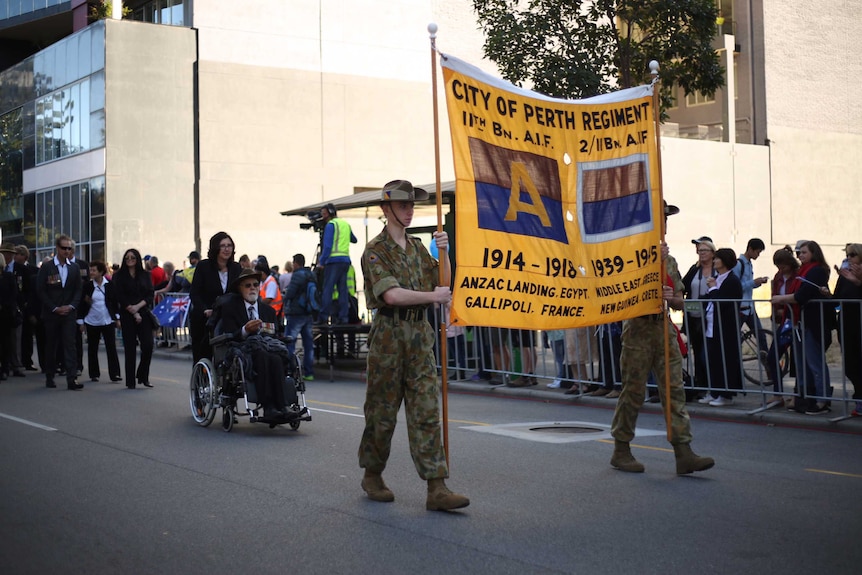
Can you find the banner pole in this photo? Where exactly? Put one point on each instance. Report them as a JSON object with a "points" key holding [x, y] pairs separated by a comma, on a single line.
{"points": [[444, 355], [653, 65]]}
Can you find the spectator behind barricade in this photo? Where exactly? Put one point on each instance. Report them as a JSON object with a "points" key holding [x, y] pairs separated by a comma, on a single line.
{"points": [[284, 278], [188, 272], [498, 340], [694, 283], [557, 342], [245, 262], [113, 270], [525, 341], [335, 262], [610, 348], [744, 270], [784, 318], [169, 285], [580, 350], [298, 316], [212, 277], [157, 273], [849, 287], [812, 375], [99, 317], [723, 353], [270, 293]]}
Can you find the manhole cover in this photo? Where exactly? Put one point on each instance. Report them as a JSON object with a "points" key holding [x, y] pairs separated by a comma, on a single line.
{"points": [[567, 429]]}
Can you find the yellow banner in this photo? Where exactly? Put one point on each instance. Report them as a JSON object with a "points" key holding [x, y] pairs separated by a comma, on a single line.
{"points": [[557, 205]]}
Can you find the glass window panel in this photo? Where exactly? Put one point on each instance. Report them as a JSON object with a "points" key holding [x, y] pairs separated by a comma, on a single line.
{"points": [[97, 197], [97, 91], [26, 6], [75, 119], [97, 229], [59, 51], [84, 57], [84, 201], [73, 72], [97, 47], [57, 125], [97, 252], [177, 13], [40, 131], [97, 129], [82, 116], [74, 211], [29, 209], [43, 71], [65, 225], [66, 124]]}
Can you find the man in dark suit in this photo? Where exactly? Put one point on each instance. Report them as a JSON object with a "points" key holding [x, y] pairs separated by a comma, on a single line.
{"points": [[59, 287], [246, 316], [32, 324], [84, 269]]}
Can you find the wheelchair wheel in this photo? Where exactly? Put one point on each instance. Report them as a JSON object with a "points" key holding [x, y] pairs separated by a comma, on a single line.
{"points": [[227, 419], [294, 425], [202, 393]]}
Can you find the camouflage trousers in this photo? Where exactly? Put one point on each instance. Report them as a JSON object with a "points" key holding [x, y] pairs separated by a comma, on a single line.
{"points": [[643, 351], [401, 368]]}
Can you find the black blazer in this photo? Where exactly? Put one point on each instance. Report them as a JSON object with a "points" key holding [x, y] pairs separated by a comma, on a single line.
{"points": [[234, 314], [111, 301], [131, 290], [206, 287], [52, 293]]}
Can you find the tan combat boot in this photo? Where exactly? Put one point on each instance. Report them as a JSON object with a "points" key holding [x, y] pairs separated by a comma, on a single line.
{"points": [[687, 461], [623, 459], [441, 499], [372, 484]]}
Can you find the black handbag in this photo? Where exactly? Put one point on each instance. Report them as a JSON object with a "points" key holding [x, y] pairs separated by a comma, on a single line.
{"points": [[153, 318]]}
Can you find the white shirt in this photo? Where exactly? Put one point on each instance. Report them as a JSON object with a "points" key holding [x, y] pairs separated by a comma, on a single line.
{"points": [[98, 314], [256, 315], [222, 276], [62, 269]]}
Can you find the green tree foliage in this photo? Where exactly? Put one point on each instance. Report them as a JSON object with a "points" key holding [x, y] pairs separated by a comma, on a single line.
{"points": [[581, 48]]}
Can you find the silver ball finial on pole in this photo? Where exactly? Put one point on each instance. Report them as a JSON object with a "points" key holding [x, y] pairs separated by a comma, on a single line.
{"points": [[653, 67], [432, 30]]}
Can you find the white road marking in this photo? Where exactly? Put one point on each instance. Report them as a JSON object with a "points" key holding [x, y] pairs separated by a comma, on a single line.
{"points": [[26, 422], [526, 431], [316, 409]]}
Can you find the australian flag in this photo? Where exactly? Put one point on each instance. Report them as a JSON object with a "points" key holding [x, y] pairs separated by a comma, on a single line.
{"points": [[172, 311]]}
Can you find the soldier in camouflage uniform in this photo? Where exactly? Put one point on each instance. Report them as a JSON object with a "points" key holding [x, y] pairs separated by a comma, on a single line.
{"points": [[400, 283], [643, 350]]}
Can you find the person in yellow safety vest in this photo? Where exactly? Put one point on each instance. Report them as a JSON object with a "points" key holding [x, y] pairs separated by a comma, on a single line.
{"points": [[269, 292], [334, 260], [188, 274]]}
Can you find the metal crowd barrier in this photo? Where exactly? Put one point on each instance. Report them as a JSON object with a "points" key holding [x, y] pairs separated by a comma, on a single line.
{"points": [[589, 357]]}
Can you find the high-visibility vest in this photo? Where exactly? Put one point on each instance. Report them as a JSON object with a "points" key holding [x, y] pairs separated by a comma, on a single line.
{"points": [[276, 302], [340, 238], [351, 284]]}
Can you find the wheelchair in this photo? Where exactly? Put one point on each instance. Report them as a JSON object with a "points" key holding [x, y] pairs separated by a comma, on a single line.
{"points": [[221, 383]]}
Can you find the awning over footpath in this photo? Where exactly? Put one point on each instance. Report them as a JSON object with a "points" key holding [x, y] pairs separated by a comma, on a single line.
{"points": [[364, 200]]}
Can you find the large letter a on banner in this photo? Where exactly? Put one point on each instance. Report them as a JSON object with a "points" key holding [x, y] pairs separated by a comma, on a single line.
{"points": [[519, 176]]}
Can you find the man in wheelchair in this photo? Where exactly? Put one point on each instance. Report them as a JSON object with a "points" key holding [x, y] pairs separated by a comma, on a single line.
{"points": [[267, 362]]}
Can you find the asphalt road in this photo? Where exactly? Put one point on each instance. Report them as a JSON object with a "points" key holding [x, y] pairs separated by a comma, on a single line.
{"points": [[109, 480]]}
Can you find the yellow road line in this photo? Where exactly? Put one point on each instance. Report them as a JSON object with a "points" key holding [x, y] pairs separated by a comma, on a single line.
{"points": [[835, 473], [665, 449], [333, 404]]}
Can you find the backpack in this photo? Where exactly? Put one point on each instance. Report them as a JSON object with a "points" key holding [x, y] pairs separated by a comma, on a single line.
{"points": [[309, 299]]}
